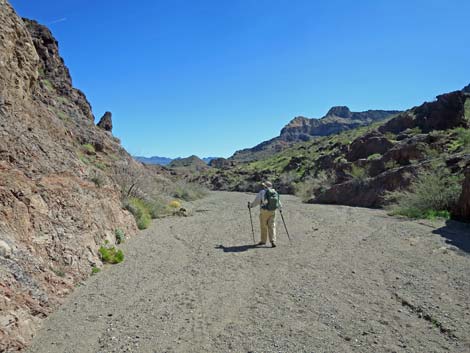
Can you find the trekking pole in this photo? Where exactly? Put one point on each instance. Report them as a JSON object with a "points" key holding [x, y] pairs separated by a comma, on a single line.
{"points": [[283, 221], [251, 221]]}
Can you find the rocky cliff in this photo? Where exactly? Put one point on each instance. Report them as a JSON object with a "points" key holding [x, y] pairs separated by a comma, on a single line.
{"points": [[300, 129], [60, 196]]}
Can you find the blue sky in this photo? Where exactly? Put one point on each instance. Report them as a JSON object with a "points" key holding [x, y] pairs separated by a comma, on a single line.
{"points": [[209, 77]]}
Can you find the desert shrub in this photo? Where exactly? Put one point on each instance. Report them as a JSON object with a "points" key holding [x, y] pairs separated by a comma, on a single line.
{"points": [[140, 210], [390, 136], [175, 204], [89, 148], [358, 174], [374, 157], [461, 140], [98, 179], [413, 131], [188, 191], [314, 185], [120, 236], [111, 255], [100, 165], [95, 270], [391, 164], [48, 85], [433, 193]]}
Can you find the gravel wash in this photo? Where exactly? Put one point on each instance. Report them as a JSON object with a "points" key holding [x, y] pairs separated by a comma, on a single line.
{"points": [[351, 280]]}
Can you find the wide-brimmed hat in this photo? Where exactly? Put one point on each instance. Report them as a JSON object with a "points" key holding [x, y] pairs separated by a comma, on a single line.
{"points": [[267, 184]]}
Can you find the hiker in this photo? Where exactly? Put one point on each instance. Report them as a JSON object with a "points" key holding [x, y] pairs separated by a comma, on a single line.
{"points": [[268, 200]]}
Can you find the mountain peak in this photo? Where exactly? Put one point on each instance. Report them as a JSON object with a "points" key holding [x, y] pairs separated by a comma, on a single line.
{"points": [[340, 111], [466, 89]]}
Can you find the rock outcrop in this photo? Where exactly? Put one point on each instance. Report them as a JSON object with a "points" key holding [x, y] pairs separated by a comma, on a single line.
{"points": [[446, 112], [106, 122]]}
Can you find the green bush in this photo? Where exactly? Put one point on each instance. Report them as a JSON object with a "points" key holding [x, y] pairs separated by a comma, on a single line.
{"points": [[374, 157], [358, 174], [98, 179], [314, 186], [120, 236], [462, 139], [95, 270], [111, 255], [432, 194], [144, 221], [89, 148], [141, 210]]}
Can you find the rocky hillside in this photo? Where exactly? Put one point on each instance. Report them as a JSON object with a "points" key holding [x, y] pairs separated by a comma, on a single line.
{"points": [[359, 166], [191, 163], [61, 180], [300, 129]]}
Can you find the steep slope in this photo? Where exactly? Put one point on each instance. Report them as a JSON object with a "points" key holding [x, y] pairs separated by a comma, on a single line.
{"points": [[61, 179], [300, 129]]}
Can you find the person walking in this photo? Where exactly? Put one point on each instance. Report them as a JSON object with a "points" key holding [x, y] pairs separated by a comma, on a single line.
{"points": [[268, 200]]}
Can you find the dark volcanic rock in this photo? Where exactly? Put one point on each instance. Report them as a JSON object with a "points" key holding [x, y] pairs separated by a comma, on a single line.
{"points": [[341, 111], [407, 150], [367, 145], [466, 89], [369, 193], [447, 112], [106, 122], [53, 73], [462, 209], [221, 163]]}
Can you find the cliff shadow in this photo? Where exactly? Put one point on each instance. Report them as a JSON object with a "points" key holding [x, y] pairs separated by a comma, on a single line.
{"points": [[456, 234]]}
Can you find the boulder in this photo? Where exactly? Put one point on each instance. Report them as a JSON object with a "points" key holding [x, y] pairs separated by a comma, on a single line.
{"points": [[106, 122], [367, 145], [407, 150], [367, 193], [221, 163]]}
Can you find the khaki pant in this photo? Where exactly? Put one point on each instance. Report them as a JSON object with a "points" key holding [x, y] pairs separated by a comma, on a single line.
{"points": [[267, 221]]}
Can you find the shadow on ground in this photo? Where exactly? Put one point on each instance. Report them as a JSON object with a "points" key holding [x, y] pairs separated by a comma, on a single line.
{"points": [[456, 234], [239, 248]]}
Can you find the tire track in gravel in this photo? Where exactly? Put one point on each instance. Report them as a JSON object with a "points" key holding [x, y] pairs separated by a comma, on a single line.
{"points": [[195, 285]]}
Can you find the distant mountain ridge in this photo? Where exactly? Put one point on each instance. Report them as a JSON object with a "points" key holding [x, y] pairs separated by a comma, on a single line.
{"points": [[164, 161], [338, 119]]}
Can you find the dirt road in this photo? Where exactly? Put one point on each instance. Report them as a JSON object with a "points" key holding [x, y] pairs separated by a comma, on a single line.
{"points": [[353, 280]]}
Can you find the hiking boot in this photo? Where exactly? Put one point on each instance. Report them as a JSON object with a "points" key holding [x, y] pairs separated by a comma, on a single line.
{"points": [[273, 245]]}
